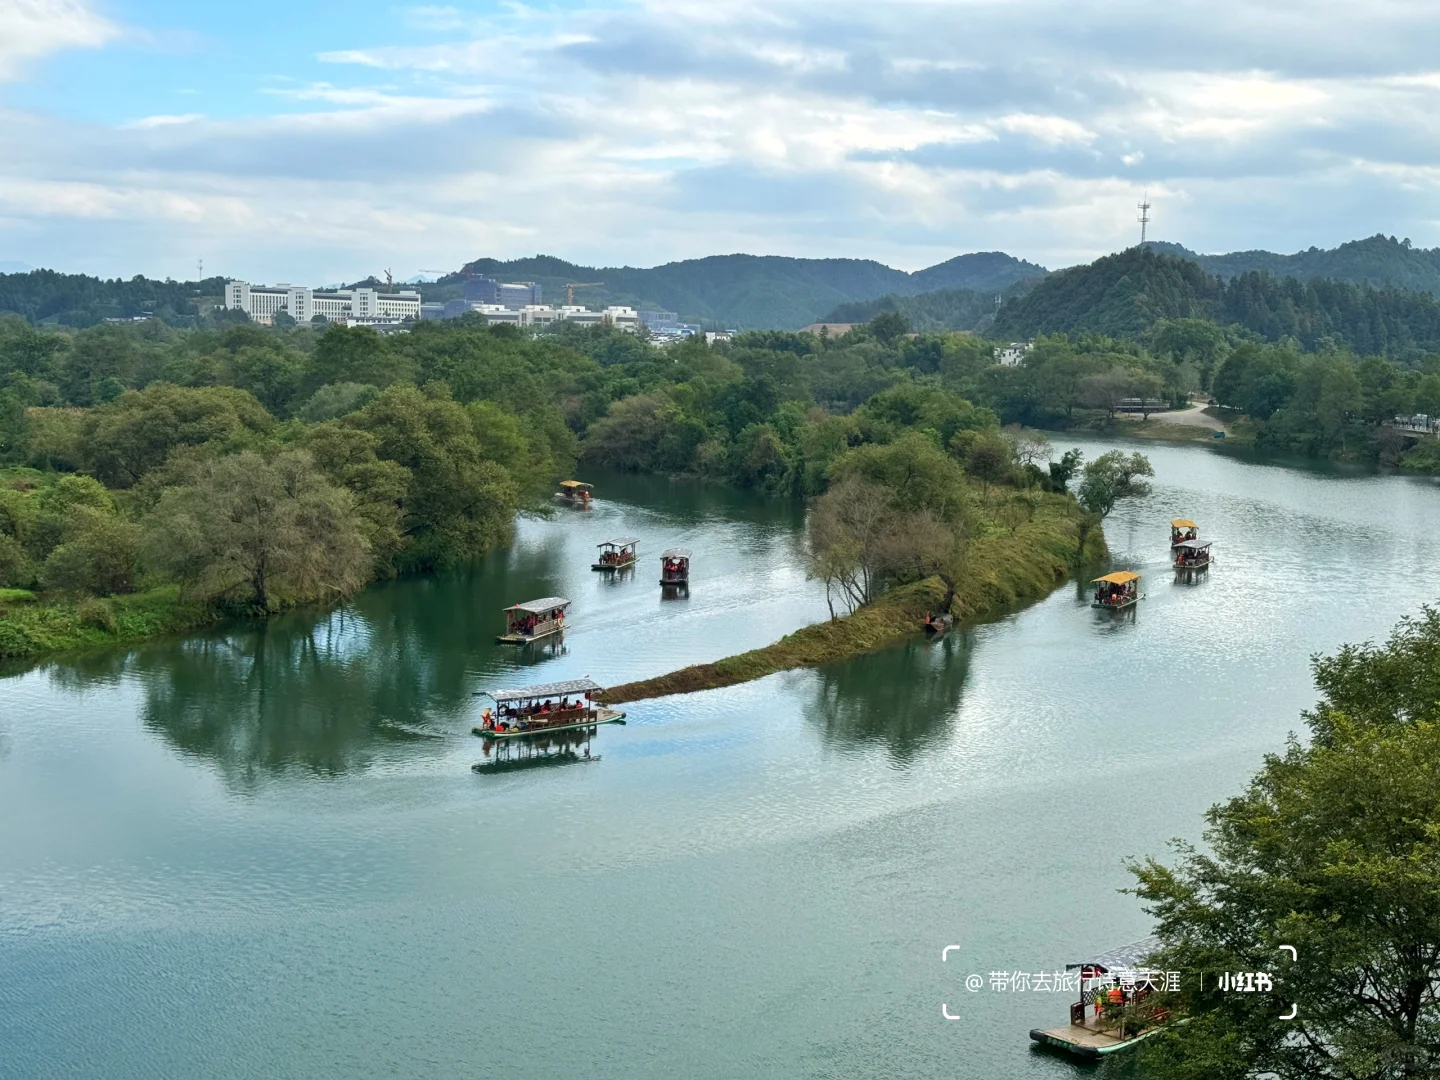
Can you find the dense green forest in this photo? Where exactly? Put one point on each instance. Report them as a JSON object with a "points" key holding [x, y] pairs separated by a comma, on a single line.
{"points": [[944, 309], [154, 474], [1126, 294], [1377, 260], [79, 300]]}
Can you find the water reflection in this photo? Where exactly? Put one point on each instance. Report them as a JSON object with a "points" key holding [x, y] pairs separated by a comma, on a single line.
{"points": [[903, 697], [688, 503], [540, 751]]}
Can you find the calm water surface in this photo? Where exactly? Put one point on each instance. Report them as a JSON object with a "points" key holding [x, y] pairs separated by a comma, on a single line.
{"points": [[263, 852]]}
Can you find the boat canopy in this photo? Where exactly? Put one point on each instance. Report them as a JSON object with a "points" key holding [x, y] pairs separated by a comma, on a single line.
{"points": [[1120, 577], [619, 542], [1126, 958], [575, 485], [1194, 545], [544, 690], [1183, 523], [539, 607], [676, 553]]}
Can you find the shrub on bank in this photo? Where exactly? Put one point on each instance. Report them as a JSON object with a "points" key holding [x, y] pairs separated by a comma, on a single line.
{"points": [[28, 629]]}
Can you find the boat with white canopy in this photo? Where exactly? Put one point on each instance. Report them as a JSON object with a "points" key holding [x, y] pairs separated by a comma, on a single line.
{"points": [[616, 554], [544, 709], [533, 620]]}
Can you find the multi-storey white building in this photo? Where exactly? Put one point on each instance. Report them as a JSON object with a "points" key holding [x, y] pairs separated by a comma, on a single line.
{"points": [[1012, 354], [363, 306], [625, 318]]}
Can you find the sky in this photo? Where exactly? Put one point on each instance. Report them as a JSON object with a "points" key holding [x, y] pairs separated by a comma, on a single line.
{"points": [[318, 143]]}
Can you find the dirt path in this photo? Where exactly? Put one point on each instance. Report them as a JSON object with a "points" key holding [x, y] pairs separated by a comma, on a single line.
{"points": [[1194, 416]]}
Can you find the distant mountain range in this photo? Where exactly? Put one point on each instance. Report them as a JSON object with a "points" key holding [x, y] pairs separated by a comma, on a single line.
{"points": [[773, 292], [753, 291]]}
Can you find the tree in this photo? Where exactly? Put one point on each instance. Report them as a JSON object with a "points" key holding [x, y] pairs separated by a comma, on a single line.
{"points": [[337, 399], [1112, 477], [859, 543], [457, 504], [916, 473], [1334, 849], [100, 554], [1108, 479], [260, 531], [990, 459], [14, 427], [1061, 471], [631, 434], [1028, 447], [889, 327], [137, 431]]}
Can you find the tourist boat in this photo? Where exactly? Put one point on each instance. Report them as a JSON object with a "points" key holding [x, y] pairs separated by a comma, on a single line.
{"points": [[533, 620], [617, 553], [1192, 554], [1182, 529], [575, 493], [1095, 1028], [1117, 591], [675, 567], [544, 709]]}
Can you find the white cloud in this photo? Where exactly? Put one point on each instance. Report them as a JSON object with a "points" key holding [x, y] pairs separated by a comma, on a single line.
{"points": [[643, 130], [33, 29]]}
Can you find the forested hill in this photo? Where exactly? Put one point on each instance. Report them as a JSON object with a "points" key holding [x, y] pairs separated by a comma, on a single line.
{"points": [[1378, 261], [943, 309], [1124, 295], [755, 291], [80, 300]]}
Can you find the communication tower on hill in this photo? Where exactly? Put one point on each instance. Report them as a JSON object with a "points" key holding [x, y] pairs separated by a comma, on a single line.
{"points": [[1144, 207]]}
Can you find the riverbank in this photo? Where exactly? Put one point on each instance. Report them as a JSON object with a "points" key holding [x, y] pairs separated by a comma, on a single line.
{"points": [[1003, 568], [30, 628]]}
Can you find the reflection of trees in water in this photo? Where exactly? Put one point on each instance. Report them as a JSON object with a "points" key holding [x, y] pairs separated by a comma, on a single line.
{"points": [[683, 502], [321, 696], [904, 697], [326, 691]]}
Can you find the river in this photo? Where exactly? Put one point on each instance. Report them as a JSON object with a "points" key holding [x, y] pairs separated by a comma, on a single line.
{"points": [[262, 851]]}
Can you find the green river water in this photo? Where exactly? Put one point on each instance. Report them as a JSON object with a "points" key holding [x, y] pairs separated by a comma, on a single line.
{"points": [[263, 853]]}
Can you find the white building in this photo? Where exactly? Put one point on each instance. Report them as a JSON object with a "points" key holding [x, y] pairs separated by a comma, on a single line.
{"points": [[623, 318], [1012, 354], [345, 306]]}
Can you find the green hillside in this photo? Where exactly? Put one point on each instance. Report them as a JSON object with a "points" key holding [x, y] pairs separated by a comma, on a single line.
{"points": [[81, 300], [754, 291], [943, 309], [1377, 260], [1124, 295]]}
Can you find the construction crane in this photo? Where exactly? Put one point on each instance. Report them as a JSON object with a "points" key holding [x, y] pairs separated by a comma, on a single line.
{"points": [[571, 286]]}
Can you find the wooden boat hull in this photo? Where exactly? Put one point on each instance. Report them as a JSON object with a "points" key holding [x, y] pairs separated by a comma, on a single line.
{"points": [[602, 716], [612, 566], [1115, 607], [675, 581], [1193, 566], [1083, 1042], [525, 639]]}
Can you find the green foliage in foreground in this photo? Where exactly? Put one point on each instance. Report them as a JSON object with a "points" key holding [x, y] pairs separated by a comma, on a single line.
{"points": [[1334, 849]]}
